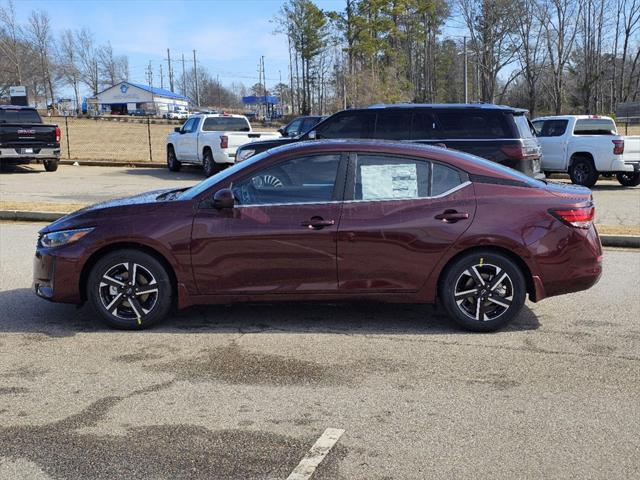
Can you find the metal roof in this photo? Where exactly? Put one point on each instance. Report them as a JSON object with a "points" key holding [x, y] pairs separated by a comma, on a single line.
{"points": [[161, 92]]}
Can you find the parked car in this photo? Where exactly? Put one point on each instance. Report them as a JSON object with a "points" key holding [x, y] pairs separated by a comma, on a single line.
{"points": [[210, 141], [138, 112], [24, 138], [498, 133], [585, 146], [330, 221], [300, 125], [177, 115]]}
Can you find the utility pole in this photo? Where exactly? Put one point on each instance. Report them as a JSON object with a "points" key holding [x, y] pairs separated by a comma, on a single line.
{"points": [[161, 77], [195, 74], [150, 80], [466, 92], [219, 92], [170, 71], [184, 79]]}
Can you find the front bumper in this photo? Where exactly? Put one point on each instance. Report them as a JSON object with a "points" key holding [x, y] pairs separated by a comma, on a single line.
{"points": [[55, 276]]}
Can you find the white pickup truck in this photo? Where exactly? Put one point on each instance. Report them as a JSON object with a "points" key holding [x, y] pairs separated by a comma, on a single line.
{"points": [[211, 141], [585, 146]]}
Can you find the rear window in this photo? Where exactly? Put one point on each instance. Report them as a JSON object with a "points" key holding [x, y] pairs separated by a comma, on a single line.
{"points": [[225, 124], [465, 123], [19, 116], [595, 126]]}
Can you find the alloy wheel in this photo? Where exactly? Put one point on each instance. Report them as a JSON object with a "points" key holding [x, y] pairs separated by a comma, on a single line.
{"points": [[129, 291], [484, 292]]}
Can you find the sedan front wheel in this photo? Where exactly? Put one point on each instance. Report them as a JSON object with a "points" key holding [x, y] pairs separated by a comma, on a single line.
{"points": [[130, 289], [483, 291]]}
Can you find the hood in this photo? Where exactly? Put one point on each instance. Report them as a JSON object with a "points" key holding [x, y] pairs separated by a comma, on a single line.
{"points": [[88, 215]]}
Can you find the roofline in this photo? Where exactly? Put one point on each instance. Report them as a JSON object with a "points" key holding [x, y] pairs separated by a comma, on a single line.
{"points": [[487, 106], [141, 87]]}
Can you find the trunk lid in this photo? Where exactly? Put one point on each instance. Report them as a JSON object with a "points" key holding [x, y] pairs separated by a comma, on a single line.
{"points": [[569, 191]]}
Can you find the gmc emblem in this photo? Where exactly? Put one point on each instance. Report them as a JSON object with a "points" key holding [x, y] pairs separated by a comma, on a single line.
{"points": [[24, 131]]}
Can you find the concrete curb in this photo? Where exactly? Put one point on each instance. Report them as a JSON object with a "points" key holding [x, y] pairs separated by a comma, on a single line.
{"points": [[624, 241], [111, 163]]}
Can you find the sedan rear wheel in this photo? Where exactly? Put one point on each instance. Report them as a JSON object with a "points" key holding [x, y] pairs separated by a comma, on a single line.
{"points": [[130, 289], [483, 291]]}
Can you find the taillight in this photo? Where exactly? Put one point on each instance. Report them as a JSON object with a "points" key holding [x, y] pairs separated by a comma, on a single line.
{"points": [[576, 217], [58, 135], [514, 152], [618, 147], [224, 141]]}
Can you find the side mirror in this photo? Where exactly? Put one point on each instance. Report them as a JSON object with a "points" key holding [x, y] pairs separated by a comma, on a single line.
{"points": [[311, 135], [177, 129], [281, 131], [223, 199]]}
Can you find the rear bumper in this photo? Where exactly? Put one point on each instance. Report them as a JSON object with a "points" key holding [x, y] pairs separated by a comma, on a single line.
{"points": [[620, 165], [17, 155]]}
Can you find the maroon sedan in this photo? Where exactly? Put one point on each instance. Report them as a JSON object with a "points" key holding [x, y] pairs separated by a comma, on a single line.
{"points": [[329, 220]]}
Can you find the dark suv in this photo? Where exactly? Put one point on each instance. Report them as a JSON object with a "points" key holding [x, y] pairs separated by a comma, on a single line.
{"points": [[499, 133]]}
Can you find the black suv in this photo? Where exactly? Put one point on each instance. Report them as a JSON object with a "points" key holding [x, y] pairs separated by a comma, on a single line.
{"points": [[499, 133]]}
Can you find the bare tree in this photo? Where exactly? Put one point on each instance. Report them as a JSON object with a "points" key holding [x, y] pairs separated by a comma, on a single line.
{"points": [[11, 45], [39, 34], [560, 21], [491, 25], [630, 24], [88, 60], [68, 60]]}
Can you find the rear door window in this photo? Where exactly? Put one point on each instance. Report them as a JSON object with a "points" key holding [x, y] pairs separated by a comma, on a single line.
{"points": [[468, 123], [393, 125], [348, 125], [444, 179], [380, 177], [595, 126], [551, 128], [424, 126]]}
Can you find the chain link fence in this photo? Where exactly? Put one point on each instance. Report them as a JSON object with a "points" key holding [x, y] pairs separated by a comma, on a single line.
{"points": [[628, 125], [126, 139]]}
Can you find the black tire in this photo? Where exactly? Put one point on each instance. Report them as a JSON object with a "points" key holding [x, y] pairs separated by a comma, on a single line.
{"points": [[501, 303], [209, 165], [583, 172], [173, 164], [628, 179], [50, 165], [109, 292]]}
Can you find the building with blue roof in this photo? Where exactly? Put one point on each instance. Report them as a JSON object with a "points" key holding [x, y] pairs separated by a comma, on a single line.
{"points": [[126, 97]]}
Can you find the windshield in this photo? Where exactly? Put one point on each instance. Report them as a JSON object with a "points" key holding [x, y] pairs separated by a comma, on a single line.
{"points": [[515, 174], [198, 188]]}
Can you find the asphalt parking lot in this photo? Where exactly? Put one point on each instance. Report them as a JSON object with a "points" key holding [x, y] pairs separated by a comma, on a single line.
{"points": [[615, 205], [243, 392]]}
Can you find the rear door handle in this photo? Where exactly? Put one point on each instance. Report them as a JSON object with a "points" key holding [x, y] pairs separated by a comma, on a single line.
{"points": [[317, 223], [452, 216]]}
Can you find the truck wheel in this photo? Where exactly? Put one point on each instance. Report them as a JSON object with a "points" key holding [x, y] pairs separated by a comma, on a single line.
{"points": [[628, 179], [172, 161], [583, 172], [51, 165], [209, 165]]}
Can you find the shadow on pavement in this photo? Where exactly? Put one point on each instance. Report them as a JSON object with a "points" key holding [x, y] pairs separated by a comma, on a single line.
{"points": [[187, 173], [23, 312], [34, 168]]}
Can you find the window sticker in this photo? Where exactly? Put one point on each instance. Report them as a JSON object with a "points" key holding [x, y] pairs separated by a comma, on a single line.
{"points": [[389, 181]]}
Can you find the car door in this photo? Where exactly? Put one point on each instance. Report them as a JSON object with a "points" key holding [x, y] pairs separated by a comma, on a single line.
{"points": [[399, 217], [181, 141], [190, 140], [551, 134], [280, 237]]}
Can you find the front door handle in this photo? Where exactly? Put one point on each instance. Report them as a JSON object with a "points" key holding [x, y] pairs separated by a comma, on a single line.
{"points": [[317, 223], [451, 216]]}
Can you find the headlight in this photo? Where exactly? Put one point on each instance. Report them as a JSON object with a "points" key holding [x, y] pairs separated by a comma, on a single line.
{"points": [[244, 154], [63, 237]]}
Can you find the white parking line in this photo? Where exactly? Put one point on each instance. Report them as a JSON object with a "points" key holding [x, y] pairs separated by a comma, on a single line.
{"points": [[316, 454]]}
